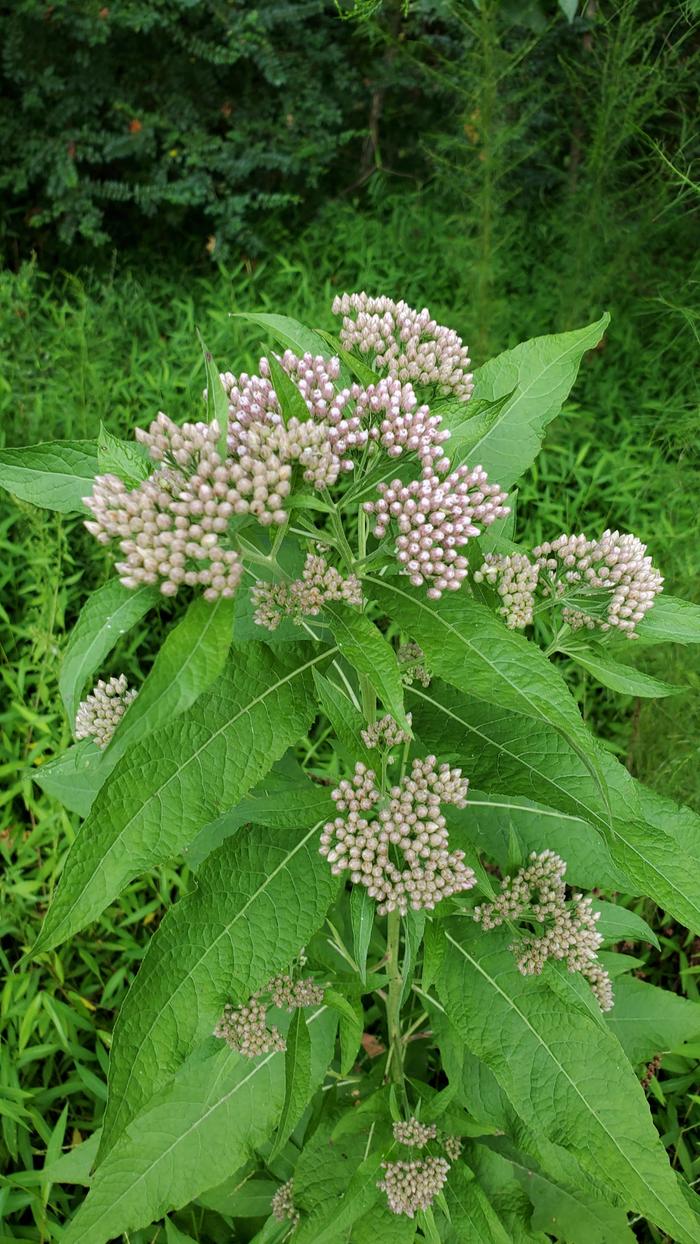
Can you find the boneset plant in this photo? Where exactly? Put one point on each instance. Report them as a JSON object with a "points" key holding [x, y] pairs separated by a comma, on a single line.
{"points": [[387, 1008]]}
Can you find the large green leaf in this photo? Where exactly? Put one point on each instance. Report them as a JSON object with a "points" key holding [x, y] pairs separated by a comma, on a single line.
{"points": [[670, 621], [108, 614], [473, 1216], [288, 332], [285, 798], [615, 674], [648, 1021], [55, 475], [467, 646], [190, 660], [539, 375], [258, 900], [364, 646], [563, 1073], [492, 821], [650, 838], [166, 788], [194, 1134], [297, 1079], [506, 1194]]}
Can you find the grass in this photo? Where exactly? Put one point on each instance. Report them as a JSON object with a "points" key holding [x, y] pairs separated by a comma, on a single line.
{"points": [[80, 350]]}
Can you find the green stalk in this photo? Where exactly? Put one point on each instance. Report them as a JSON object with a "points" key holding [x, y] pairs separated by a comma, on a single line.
{"points": [[394, 1064]]}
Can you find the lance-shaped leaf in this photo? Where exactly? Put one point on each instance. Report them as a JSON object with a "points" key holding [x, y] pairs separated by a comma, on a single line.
{"points": [[190, 660], [615, 674], [670, 621], [364, 646], [647, 1020], [165, 789], [653, 841], [491, 822], [108, 614], [538, 375], [297, 1081], [290, 334], [563, 1072], [258, 900], [467, 646], [193, 1135], [55, 475], [129, 460], [285, 799], [473, 1216]]}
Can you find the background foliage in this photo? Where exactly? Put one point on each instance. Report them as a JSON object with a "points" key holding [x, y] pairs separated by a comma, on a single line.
{"points": [[515, 171]]}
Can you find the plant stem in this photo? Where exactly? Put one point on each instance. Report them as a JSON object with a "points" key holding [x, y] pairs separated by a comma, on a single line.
{"points": [[393, 1003]]}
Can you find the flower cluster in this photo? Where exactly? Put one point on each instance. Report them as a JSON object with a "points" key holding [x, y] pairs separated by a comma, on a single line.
{"points": [[404, 424], [414, 1133], [515, 578], [408, 344], [612, 581], [290, 995], [413, 1186], [385, 734], [537, 894], [282, 1204], [245, 1029], [401, 855], [453, 1147], [411, 659], [605, 583], [435, 518], [170, 526], [100, 713], [305, 597]]}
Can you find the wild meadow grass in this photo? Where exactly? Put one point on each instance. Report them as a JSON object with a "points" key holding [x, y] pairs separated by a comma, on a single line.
{"points": [[120, 347]]}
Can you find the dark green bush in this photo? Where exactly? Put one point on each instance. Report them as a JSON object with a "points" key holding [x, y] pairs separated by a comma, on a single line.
{"points": [[190, 121]]}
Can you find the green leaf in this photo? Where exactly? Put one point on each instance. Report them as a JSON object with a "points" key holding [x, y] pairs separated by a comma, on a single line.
{"points": [[297, 1081], [362, 909], [55, 475], [346, 720], [651, 840], [364, 646], [568, 8], [563, 1073], [173, 1234], [245, 1197], [505, 1193], [190, 660], [467, 646], [615, 675], [288, 332], [380, 1226], [107, 614], [648, 1021], [258, 900], [492, 821], [569, 1213], [166, 788], [473, 1216], [539, 375], [194, 1134], [469, 422], [286, 798], [351, 1024], [670, 621], [75, 777], [289, 397], [217, 398], [360, 370], [127, 459], [336, 1216], [618, 924]]}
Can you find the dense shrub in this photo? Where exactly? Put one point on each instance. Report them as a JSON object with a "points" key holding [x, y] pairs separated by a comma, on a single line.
{"points": [[140, 121]]}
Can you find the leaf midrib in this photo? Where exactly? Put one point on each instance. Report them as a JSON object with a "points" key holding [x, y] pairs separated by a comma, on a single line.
{"points": [[199, 1122], [594, 816], [223, 933], [540, 1039], [42, 944]]}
